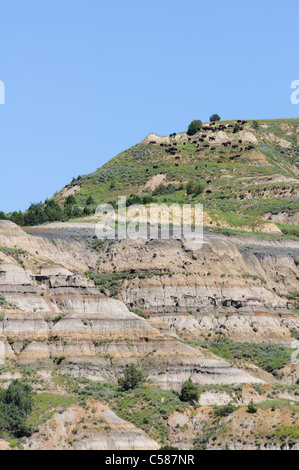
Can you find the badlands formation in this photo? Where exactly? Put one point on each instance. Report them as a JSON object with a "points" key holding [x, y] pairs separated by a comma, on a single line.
{"points": [[75, 311], [71, 314]]}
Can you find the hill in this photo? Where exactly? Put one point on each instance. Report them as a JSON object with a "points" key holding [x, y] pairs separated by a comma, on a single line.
{"points": [[76, 311], [245, 173]]}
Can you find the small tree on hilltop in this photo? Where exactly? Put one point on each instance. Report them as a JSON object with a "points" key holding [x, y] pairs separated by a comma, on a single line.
{"points": [[189, 392], [194, 127], [215, 117], [133, 376]]}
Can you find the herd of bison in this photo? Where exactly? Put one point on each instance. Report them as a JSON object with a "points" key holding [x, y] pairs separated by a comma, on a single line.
{"points": [[204, 142]]}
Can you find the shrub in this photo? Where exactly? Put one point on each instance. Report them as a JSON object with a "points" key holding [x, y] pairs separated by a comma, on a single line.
{"points": [[189, 392], [190, 187], [17, 218], [294, 333], [194, 127], [215, 117], [161, 189], [132, 200], [168, 448], [269, 357], [290, 230], [70, 200], [90, 201], [133, 376], [226, 410], [201, 442], [252, 408], [199, 187], [15, 405], [148, 199]]}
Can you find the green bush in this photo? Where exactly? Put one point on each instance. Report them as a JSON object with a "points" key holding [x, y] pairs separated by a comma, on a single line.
{"points": [[194, 127], [288, 230], [215, 117], [226, 410], [70, 200], [133, 376], [190, 187], [194, 188], [189, 392], [269, 357], [15, 406], [90, 201], [252, 408], [168, 448], [198, 189]]}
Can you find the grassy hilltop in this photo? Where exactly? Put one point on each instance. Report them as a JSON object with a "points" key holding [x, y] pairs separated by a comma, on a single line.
{"points": [[254, 177], [246, 173]]}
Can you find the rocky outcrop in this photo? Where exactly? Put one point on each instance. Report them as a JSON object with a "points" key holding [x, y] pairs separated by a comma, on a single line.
{"points": [[219, 288], [75, 429], [56, 317], [59, 317], [64, 250]]}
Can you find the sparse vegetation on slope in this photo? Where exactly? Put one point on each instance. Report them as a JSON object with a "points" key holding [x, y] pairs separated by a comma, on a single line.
{"points": [[247, 174]]}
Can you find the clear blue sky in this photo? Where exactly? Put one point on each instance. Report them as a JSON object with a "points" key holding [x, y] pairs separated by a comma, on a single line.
{"points": [[86, 79]]}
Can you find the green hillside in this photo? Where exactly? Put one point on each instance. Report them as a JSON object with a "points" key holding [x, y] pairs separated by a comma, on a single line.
{"points": [[246, 173], [241, 181]]}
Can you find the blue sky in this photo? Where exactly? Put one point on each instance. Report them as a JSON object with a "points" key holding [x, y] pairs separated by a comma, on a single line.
{"points": [[86, 79]]}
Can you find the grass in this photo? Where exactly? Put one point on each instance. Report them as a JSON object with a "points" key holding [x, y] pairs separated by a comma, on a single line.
{"points": [[147, 407], [5, 304], [293, 297], [271, 358], [130, 170], [288, 230], [15, 253], [112, 281], [46, 404], [234, 195], [278, 403]]}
